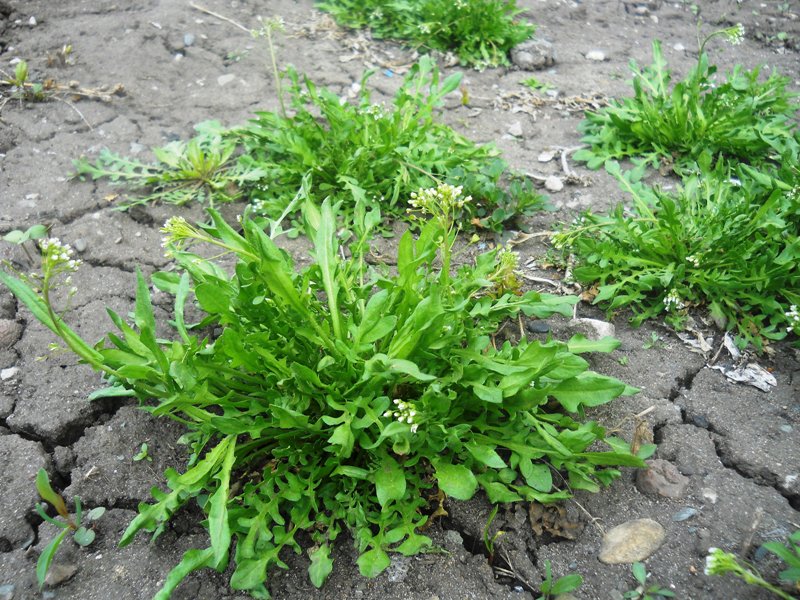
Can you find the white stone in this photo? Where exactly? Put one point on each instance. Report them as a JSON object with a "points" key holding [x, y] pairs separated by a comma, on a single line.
{"points": [[6, 374], [225, 79], [515, 129], [546, 156], [596, 55], [553, 184]]}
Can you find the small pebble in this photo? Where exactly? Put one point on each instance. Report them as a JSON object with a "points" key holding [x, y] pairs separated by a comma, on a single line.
{"points": [[80, 245], [631, 542], [546, 156], [537, 326], [515, 129], [188, 39], [679, 47], [786, 428], [709, 495], [700, 421], [553, 184], [223, 80], [59, 573], [7, 374], [596, 55], [684, 514], [32, 22]]}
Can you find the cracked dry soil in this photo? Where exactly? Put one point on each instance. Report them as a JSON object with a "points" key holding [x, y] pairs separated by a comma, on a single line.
{"points": [[738, 446]]}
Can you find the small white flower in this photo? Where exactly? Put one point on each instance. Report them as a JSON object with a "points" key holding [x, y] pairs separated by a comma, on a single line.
{"points": [[735, 34], [793, 315], [673, 301]]}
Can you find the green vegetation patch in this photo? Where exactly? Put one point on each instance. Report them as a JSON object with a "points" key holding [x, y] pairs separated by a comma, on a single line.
{"points": [[479, 32], [363, 151], [341, 396]]}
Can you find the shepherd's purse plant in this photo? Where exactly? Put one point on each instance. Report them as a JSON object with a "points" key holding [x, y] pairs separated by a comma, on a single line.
{"points": [[339, 397], [727, 244], [744, 118], [479, 32], [363, 151]]}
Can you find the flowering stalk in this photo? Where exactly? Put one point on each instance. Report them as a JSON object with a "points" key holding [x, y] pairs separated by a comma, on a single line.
{"points": [[442, 203], [719, 562]]}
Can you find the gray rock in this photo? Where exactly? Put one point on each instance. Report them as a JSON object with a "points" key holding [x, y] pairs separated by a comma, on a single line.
{"points": [[6, 405], [661, 478], [20, 460], [631, 542], [515, 129], [537, 326], [7, 591], [10, 332], [8, 373], [593, 329], [80, 245], [188, 39], [533, 55], [453, 540], [684, 514], [60, 573], [8, 305], [224, 80]]}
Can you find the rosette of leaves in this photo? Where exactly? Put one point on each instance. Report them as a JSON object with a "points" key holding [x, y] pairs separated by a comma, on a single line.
{"points": [[338, 396], [744, 118], [726, 241], [479, 32], [361, 150]]}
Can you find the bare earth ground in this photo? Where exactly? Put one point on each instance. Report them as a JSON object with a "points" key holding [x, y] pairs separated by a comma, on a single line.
{"points": [[737, 445]]}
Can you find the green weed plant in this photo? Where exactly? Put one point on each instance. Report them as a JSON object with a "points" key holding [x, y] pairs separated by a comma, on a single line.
{"points": [[76, 525], [729, 245], [479, 32], [719, 562], [744, 118], [340, 397], [362, 151]]}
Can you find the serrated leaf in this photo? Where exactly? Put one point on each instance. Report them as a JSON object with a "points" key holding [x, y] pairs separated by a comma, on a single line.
{"points": [[321, 565], [192, 560]]}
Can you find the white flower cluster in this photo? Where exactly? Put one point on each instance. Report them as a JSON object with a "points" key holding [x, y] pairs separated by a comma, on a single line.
{"points": [[376, 111], [404, 413], [178, 231], [693, 260], [461, 4], [56, 254], [716, 562], [424, 27], [673, 301], [794, 319], [735, 34], [441, 200]]}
